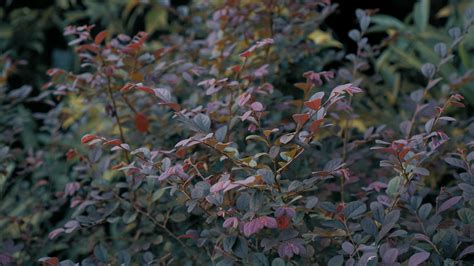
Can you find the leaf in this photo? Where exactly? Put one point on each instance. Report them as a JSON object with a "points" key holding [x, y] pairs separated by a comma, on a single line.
{"points": [[448, 204], [466, 215], [145, 89], [240, 247], [369, 226], [278, 262], [287, 138], [429, 125], [466, 251], [425, 210], [347, 247], [421, 171], [388, 22], [421, 15], [259, 259], [203, 122], [418, 258], [314, 104], [354, 209], [158, 194], [315, 125], [99, 38], [388, 223], [390, 256], [100, 252], [394, 185], [267, 175], [88, 138], [300, 119], [257, 106], [51, 261], [336, 261], [428, 70], [354, 35], [311, 202], [303, 86], [322, 38], [156, 19], [448, 242], [455, 162], [141, 122]]}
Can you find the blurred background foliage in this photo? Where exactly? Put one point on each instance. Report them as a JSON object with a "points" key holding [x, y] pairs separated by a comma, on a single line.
{"points": [[34, 133]]}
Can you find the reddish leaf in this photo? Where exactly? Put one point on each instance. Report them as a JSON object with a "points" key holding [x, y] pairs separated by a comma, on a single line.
{"points": [[176, 107], [51, 261], [127, 87], [88, 138], [70, 154], [303, 86], [300, 119], [100, 37], [315, 125], [189, 236], [246, 54], [313, 104], [404, 152], [180, 153], [141, 122], [235, 68], [283, 222], [113, 142], [146, 89]]}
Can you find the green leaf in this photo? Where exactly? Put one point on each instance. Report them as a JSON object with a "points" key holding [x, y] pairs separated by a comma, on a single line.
{"points": [[259, 259], [241, 248], [278, 262], [394, 186], [228, 243], [387, 22], [100, 252], [178, 217], [156, 19], [129, 216], [466, 215], [158, 194], [203, 122], [422, 14]]}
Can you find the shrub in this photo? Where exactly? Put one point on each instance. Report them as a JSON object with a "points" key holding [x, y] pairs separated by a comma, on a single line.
{"points": [[199, 149]]}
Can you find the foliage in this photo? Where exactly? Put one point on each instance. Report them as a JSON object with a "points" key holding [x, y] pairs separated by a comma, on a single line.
{"points": [[253, 137]]}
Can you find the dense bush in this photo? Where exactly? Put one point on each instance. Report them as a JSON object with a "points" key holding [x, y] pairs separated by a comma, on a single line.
{"points": [[254, 137]]}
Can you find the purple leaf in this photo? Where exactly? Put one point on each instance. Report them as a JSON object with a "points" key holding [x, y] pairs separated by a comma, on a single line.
{"points": [[219, 186], [455, 162], [257, 106], [448, 204], [418, 258], [390, 256], [291, 247], [466, 251], [421, 171], [231, 222], [348, 247], [287, 211], [55, 233], [258, 224]]}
